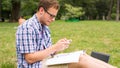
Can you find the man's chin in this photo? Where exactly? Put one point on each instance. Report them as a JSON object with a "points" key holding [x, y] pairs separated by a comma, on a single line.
{"points": [[48, 23]]}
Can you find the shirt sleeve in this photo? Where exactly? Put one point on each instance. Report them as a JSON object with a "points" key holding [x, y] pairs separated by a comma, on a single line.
{"points": [[26, 40]]}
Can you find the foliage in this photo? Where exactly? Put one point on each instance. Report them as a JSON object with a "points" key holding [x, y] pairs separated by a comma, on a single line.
{"points": [[7, 5], [99, 5], [28, 7], [113, 15], [6, 8], [72, 12], [91, 8]]}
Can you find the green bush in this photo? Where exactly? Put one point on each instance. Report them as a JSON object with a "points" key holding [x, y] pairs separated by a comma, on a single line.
{"points": [[113, 16], [72, 12]]}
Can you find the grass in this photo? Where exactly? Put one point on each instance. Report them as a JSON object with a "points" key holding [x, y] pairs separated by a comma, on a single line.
{"points": [[100, 36]]}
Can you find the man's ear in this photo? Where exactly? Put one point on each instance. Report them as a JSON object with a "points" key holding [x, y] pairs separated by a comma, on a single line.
{"points": [[41, 10]]}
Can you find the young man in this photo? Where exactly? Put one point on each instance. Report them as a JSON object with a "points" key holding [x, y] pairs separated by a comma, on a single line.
{"points": [[33, 40]]}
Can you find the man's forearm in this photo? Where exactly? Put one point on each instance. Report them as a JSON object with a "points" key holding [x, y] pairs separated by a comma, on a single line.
{"points": [[39, 55]]}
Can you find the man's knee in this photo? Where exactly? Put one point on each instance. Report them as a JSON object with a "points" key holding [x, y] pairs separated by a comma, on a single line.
{"points": [[81, 64]]}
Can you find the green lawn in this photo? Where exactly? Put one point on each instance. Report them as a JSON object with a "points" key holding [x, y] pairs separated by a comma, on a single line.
{"points": [[100, 36]]}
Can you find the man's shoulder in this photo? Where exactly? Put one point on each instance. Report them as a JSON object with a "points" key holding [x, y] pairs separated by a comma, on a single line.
{"points": [[26, 26]]}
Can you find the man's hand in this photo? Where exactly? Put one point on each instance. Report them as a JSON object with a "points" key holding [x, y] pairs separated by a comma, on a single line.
{"points": [[62, 44]]}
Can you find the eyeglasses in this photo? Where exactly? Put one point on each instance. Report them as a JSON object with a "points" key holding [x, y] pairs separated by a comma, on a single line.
{"points": [[51, 15]]}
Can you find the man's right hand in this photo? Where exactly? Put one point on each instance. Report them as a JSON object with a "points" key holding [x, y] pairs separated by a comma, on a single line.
{"points": [[62, 44]]}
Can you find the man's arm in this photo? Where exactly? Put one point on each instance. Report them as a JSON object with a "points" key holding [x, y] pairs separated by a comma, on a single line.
{"points": [[40, 55]]}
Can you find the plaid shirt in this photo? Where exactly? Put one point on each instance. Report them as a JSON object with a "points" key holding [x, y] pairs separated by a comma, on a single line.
{"points": [[31, 36]]}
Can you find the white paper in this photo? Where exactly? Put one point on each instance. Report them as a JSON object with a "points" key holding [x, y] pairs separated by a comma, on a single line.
{"points": [[65, 58]]}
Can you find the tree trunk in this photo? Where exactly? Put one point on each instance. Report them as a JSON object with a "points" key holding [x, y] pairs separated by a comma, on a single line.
{"points": [[15, 12], [110, 10], [103, 17], [117, 10], [119, 7], [0, 9]]}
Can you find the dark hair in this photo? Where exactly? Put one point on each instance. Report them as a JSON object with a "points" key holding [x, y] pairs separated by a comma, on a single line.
{"points": [[48, 4]]}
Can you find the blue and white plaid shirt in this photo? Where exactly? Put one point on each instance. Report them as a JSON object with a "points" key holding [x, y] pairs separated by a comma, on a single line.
{"points": [[31, 36]]}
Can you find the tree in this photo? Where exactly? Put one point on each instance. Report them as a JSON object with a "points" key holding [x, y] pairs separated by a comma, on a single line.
{"points": [[72, 12], [0, 9], [110, 9], [15, 12], [28, 7], [6, 9], [93, 9], [102, 11], [89, 8], [117, 10], [12, 9]]}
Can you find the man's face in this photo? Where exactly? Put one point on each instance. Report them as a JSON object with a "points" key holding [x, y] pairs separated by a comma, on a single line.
{"points": [[48, 16]]}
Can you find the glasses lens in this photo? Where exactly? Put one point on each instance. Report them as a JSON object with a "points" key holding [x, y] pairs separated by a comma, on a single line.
{"points": [[51, 15]]}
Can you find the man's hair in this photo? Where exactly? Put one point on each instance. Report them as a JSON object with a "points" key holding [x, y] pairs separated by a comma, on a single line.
{"points": [[46, 4]]}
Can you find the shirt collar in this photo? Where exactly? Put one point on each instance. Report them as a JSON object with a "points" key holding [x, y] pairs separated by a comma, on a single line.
{"points": [[37, 23]]}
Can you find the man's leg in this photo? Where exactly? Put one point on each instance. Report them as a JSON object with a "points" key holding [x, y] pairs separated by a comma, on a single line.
{"points": [[100, 62], [87, 61]]}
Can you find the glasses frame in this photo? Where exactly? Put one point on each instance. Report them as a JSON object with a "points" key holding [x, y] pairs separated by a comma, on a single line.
{"points": [[51, 15]]}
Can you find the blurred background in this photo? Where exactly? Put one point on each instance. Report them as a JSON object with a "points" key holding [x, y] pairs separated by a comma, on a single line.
{"points": [[11, 10]]}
